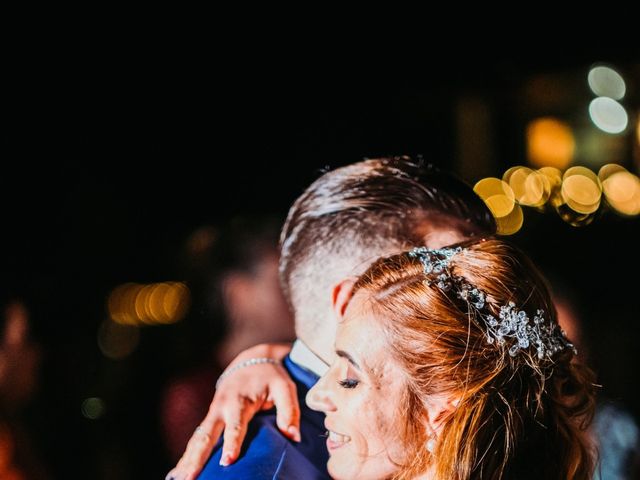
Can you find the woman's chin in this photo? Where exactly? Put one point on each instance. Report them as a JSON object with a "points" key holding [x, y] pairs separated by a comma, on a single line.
{"points": [[339, 471]]}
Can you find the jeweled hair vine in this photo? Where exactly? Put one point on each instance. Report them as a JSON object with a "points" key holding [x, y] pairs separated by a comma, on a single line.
{"points": [[513, 329]]}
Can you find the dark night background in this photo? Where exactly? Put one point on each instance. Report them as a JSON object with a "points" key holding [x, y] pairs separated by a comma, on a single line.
{"points": [[106, 173]]}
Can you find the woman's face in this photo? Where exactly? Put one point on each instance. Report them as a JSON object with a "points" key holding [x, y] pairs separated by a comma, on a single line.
{"points": [[361, 395]]}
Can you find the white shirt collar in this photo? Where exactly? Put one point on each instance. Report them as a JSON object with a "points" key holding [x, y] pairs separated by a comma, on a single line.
{"points": [[304, 357]]}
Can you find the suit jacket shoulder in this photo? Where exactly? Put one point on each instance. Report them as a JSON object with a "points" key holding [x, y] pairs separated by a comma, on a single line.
{"points": [[269, 455]]}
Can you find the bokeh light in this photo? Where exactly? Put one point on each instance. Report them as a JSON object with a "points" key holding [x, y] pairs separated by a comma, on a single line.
{"points": [[500, 199], [608, 115], [554, 177], [175, 302], [510, 223], [606, 82], [117, 341], [529, 187], [575, 195], [581, 190], [491, 186], [151, 304], [92, 408], [155, 303], [609, 169], [550, 143], [622, 191]]}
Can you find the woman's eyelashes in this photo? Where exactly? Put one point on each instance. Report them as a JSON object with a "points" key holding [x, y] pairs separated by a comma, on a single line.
{"points": [[349, 383]]}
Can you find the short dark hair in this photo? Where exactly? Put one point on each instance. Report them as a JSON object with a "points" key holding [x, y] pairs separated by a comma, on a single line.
{"points": [[367, 209]]}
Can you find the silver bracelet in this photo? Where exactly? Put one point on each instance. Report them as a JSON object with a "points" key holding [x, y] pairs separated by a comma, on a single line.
{"points": [[246, 363]]}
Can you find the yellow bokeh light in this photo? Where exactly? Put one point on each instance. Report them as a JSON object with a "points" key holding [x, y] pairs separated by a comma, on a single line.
{"points": [[156, 303], [515, 178], [490, 186], [581, 193], [129, 302], [510, 223], [500, 205], [529, 187], [506, 177], [537, 190], [554, 177], [114, 305], [622, 191], [550, 143], [620, 187], [576, 195], [553, 174], [141, 302], [500, 199], [121, 303], [176, 302], [581, 171], [609, 169], [581, 190]]}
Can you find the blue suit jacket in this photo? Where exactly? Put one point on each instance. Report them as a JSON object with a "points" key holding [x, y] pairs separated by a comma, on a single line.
{"points": [[267, 454]]}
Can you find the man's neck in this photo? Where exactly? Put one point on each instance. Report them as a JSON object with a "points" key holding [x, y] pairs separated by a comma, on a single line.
{"points": [[302, 355]]}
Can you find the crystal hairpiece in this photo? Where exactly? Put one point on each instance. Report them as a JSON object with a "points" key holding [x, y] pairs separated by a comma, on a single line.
{"points": [[512, 326]]}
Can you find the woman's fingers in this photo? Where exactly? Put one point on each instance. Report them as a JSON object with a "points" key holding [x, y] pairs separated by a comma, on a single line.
{"points": [[237, 417], [284, 394], [198, 448]]}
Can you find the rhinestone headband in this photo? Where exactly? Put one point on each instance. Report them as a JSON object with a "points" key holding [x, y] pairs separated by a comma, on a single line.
{"points": [[512, 328]]}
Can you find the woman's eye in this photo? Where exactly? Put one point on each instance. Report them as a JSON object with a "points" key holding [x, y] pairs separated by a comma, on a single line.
{"points": [[349, 383]]}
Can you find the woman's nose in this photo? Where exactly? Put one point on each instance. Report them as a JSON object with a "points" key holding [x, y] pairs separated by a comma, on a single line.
{"points": [[319, 397]]}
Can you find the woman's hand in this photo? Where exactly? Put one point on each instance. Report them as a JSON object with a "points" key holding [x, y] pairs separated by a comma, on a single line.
{"points": [[249, 384]]}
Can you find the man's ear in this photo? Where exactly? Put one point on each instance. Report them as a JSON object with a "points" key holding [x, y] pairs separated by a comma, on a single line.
{"points": [[342, 293]]}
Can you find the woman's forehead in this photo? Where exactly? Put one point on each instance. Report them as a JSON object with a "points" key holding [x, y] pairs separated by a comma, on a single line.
{"points": [[361, 334]]}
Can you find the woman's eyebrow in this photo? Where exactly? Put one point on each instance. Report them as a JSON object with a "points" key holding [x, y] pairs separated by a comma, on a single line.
{"points": [[343, 354]]}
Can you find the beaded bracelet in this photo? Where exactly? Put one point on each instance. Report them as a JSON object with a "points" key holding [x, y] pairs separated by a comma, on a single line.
{"points": [[246, 363]]}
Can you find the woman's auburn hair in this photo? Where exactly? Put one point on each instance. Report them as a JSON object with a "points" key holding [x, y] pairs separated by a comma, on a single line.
{"points": [[516, 417]]}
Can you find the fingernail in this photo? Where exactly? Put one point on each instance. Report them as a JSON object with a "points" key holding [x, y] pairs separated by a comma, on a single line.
{"points": [[294, 432], [225, 460]]}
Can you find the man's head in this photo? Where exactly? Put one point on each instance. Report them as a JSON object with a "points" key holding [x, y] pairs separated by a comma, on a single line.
{"points": [[355, 214]]}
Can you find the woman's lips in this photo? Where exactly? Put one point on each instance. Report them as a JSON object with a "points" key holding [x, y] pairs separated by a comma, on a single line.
{"points": [[336, 440]]}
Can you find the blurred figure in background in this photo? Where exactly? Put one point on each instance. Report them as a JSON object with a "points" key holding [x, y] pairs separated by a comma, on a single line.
{"points": [[237, 303], [19, 370], [614, 429]]}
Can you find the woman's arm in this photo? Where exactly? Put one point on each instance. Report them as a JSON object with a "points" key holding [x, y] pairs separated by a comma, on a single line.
{"points": [[249, 384]]}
